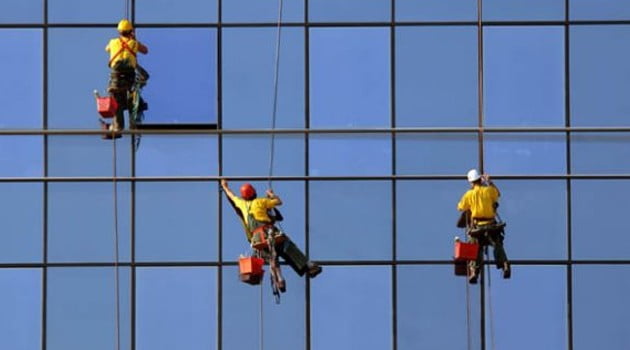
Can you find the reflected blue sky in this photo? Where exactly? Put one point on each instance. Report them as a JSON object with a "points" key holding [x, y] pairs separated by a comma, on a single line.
{"points": [[331, 76]]}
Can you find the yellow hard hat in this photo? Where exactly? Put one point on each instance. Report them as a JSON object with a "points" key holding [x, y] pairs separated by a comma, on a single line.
{"points": [[124, 26]]}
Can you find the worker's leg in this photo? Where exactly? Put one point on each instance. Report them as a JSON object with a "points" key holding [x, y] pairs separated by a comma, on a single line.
{"points": [[296, 259], [500, 257], [474, 265]]}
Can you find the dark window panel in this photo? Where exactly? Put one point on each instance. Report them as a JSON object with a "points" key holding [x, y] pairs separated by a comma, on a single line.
{"points": [[176, 307], [351, 305], [248, 78], [176, 11], [599, 72], [599, 10], [22, 78], [436, 153], [21, 302], [81, 222], [22, 156], [351, 154], [599, 153], [598, 219], [523, 10], [86, 11], [251, 155], [350, 220], [21, 214], [528, 154], [81, 312], [436, 10], [349, 11], [190, 155], [256, 11], [349, 77], [183, 67], [176, 221], [77, 155], [434, 67], [521, 91], [283, 324], [21, 11]]}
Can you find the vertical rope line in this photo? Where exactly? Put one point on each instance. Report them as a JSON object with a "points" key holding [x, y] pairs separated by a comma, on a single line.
{"points": [[275, 91], [116, 252], [490, 310], [262, 339], [468, 335], [127, 9]]}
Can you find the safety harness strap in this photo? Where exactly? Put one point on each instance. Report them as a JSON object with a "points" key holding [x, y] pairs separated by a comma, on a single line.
{"points": [[123, 47]]}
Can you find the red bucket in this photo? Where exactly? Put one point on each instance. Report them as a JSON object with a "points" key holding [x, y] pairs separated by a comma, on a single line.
{"points": [[466, 251], [107, 106]]}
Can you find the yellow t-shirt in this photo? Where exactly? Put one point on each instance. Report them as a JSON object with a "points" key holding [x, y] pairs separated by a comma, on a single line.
{"points": [[122, 49], [258, 208], [480, 201]]}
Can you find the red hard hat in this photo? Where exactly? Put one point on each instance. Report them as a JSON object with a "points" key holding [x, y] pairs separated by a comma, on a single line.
{"points": [[248, 191]]}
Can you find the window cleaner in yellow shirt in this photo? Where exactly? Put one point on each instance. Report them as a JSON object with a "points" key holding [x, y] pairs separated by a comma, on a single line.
{"points": [[480, 203], [254, 214], [125, 70]]}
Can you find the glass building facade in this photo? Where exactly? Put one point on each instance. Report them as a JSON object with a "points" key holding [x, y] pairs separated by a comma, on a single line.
{"points": [[382, 107]]}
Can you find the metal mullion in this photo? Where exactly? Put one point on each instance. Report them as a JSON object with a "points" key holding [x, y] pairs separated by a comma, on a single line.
{"points": [[567, 121], [482, 294], [44, 334], [219, 330], [392, 97], [132, 297], [307, 125]]}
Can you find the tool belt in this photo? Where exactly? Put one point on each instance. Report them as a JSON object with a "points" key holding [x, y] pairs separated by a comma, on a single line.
{"points": [[260, 233], [493, 230]]}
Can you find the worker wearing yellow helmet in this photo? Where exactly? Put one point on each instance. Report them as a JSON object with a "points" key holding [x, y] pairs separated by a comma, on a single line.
{"points": [[124, 68]]}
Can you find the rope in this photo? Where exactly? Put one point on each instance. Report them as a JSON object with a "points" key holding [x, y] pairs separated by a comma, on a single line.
{"points": [[127, 9], [468, 333], [116, 253], [261, 330], [275, 91], [490, 310]]}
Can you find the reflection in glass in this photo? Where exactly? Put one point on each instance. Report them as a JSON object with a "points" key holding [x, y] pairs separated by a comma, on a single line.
{"points": [[349, 10], [21, 214], [356, 154], [531, 153], [436, 153], [21, 304], [176, 11]]}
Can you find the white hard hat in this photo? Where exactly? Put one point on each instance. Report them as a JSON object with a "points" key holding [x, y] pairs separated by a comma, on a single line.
{"points": [[473, 175]]}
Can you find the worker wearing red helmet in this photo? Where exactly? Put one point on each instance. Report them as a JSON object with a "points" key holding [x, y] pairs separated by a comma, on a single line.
{"points": [[254, 212], [480, 202], [124, 67]]}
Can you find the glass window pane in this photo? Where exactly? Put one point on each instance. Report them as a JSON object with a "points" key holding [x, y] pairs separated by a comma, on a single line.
{"points": [[349, 77], [173, 72], [343, 227], [292, 194], [248, 76], [527, 10], [364, 304], [436, 153], [188, 320], [75, 155], [434, 67], [339, 154], [522, 91], [599, 210], [436, 10], [176, 11], [283, 324], [176, 221], [81, 311], [190, 155], [22, 156], [77, 64], [21, 11], [21, 304], [517, 304], [86, 11], [81, 221], [22, 78], [598, 153], [532, 153], [251, 154], [600, 307], [425, 218], [599, 71], [434, 316], [21, 214], [544, 237], [349, 10], [599, 10], [262, 11]]}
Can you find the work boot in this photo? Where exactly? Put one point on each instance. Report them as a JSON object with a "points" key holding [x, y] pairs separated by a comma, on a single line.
{"points": [[473, 275], [507, 271], [282, 285], [313, 269]]}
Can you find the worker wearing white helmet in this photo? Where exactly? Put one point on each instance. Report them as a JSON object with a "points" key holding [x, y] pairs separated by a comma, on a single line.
{"points": [[481, 202]]}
